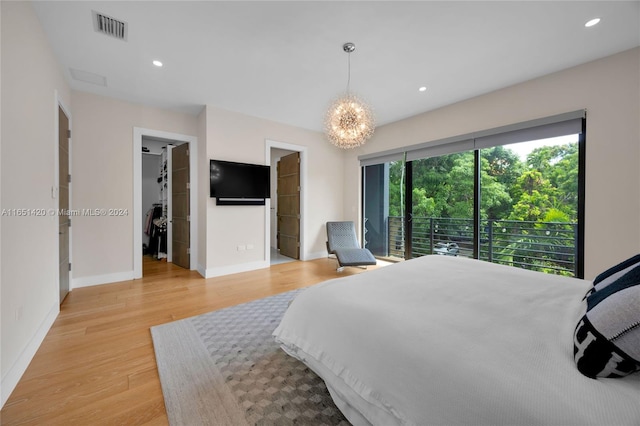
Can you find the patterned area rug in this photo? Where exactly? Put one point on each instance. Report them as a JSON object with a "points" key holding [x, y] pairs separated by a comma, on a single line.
{"points": [[224, 368]]}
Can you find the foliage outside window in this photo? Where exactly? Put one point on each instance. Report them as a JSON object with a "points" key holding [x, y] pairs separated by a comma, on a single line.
{"points": [[528, 209]]}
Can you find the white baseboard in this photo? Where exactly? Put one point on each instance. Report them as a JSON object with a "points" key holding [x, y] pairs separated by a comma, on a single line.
{"points": [[102, 279], [11, 379], [316, 255], [234, 269]]}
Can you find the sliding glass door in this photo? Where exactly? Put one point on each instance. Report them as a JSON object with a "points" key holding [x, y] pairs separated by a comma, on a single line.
{"points": [[507, 197], [529, 205], [441, 219], [383, 202]]}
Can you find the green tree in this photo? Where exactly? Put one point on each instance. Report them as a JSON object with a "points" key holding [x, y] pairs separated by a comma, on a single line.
{"points": [[534, 195], [396, 188], [505, 167], [443, 186], [503, 164], [423, 206], [460, 184], [495, 201], [559, 166], [494, 196], [530, 207], [432, 176]]}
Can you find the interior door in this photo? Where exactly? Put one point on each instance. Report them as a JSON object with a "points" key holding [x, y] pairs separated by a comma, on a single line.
{"points": [[180, 206], [63, 203], [289, 205]]}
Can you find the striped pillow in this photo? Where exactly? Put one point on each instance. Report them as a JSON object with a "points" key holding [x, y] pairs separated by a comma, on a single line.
{"points": [[612, 274], [607, 339]]}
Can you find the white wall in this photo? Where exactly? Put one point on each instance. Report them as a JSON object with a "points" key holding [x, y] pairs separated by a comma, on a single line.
{"points": [[103, 178], [103, 130], [609, 89], [29, 277], [237, 137]]}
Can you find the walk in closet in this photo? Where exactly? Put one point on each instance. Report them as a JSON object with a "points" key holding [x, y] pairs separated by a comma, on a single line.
{"points": [[154, 197]]}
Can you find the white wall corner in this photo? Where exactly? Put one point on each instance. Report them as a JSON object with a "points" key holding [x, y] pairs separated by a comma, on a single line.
{"points": [[15, 372], [202, 271]]}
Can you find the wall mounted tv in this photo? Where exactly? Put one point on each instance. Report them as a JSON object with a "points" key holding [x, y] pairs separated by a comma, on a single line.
{"points": [[239, 184]]}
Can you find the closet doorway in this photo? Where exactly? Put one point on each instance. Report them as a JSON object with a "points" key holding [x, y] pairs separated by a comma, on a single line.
{"points": [[165, 222], [165, 200], [288, 206], [285, 224]]}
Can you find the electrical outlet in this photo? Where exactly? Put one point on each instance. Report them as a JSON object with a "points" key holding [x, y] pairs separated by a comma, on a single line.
{"points": [[18, 313], [249, 246], [242, 248]]}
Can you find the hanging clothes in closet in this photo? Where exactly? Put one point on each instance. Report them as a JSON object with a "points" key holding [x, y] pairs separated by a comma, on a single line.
{"points": [[157, 230]]}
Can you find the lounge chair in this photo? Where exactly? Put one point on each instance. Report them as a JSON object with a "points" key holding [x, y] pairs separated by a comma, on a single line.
{"points": [[343, 243]]}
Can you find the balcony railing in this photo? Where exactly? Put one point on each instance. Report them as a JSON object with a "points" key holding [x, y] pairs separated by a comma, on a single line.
{"points": [[540, 246]]}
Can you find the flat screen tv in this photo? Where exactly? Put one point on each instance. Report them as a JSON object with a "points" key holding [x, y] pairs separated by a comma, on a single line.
{"points": [[239, 183]]}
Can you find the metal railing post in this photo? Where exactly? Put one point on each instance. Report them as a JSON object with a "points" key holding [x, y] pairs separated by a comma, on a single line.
{"points": [[388, 236], [431, 235], [575, 250]]}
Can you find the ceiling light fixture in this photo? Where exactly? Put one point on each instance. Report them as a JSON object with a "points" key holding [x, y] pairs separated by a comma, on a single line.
{"points": [[592, 22], [157, 63], [349, 122], [422, 89]]}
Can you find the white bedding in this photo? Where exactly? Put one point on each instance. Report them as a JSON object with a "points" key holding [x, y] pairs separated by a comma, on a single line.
{"points": [[443, 340]]}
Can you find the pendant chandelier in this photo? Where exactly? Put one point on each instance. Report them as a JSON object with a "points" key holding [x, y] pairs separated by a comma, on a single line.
{"points": [[349, 122]]}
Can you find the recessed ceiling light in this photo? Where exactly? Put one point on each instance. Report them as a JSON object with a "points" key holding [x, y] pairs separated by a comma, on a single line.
{"points": [[157, 63], [592, 22], [422, 89]]}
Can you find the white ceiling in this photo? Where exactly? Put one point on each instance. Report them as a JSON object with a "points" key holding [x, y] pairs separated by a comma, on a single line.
{"points": [[284, 60]]}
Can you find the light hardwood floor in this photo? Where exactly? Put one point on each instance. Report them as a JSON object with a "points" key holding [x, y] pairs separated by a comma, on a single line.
{"points": [[97, 365]]}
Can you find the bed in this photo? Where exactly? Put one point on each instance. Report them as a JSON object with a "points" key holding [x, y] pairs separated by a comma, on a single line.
{"points": [[443, 340]]}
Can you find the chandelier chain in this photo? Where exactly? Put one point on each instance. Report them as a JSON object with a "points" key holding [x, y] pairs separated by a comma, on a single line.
{"points": [[349, 75]]}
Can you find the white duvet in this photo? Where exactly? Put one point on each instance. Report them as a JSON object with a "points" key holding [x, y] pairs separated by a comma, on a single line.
{"points": [[442, 340]]}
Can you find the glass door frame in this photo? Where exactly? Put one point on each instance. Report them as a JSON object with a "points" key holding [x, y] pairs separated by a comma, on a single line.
{"points": [[408, 205]]}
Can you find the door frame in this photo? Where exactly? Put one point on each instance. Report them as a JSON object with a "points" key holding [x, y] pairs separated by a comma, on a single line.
{"points": [[55, 190], [138, 133], [303, 196]]}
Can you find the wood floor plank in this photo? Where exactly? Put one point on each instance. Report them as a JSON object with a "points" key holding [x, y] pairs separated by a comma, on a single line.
{"points": [[97, 364]]}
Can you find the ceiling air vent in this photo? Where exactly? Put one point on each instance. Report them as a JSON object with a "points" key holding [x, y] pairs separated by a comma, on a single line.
{"points": [[88, 77], [107, 25]]}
